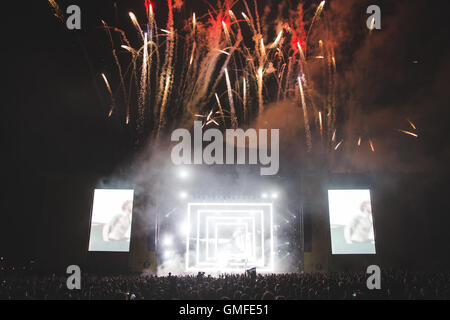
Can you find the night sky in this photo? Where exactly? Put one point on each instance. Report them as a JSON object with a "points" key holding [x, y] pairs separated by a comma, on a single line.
{"points": [[54, 103]]}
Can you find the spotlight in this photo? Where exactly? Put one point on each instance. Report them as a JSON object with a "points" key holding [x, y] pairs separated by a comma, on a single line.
{"points": [[167, 240], [184, 228], [183, 195], [167, 254], [264, 195], [274, 195], [183, 173]]}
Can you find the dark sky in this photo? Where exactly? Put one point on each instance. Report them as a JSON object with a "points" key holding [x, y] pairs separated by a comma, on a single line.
{"points": [[54, 104]]}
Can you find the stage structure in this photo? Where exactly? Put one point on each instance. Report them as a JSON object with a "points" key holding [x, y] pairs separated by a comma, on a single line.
{"points": [[229, 237], [226, 220]]}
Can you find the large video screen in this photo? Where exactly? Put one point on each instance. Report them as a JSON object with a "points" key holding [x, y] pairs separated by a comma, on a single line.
{"points": [[111, 220], [351, 223]]}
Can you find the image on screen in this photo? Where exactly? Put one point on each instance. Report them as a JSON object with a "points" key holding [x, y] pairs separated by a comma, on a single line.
{"points": [[351, 223], [111, 220]]}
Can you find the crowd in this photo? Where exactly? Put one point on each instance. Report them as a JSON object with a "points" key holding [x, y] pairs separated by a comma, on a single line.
{"points": [[394, 285]]}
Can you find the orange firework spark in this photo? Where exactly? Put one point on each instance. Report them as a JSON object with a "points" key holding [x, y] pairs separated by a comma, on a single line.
{"points": [[412, 124], [57, 11], [320, 122], [110, 93], [136, 24], [277, 40], [371, 145], [409, 133]]}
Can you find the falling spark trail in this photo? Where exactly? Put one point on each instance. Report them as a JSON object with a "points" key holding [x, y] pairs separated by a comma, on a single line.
{"points": [[167, 70], [260, 89], [57, 11], [143, 86], [244, 98], [163, 106], [224, 52], [110, 93], [320, 123], [150, 13], [318, 11], [192, 53], [359, 141], [129, 49], [412, 124], [246, 19], [119, 67], [371, 145], [372, 24], [302, 55], [225, 30], [316, 16], [263, 49], [220, 108], [305, 116], [194, 22], [409, 133], [136, 23], [233, 17], [230, 98], [277, 40], [338, 145]]}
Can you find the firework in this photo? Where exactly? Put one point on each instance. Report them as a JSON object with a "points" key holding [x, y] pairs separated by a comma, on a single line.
{"points": [[57, 11], [244, 97], [136, 24], [372, 24], [220, 108], [175, 73], [371, 145], [320, 123], [338, 145], [110, 94], [277, 40], [230, 99], [143, 90], [412, 124], [305, 116], [409, 133], [225, 30], [194, 21], [260, 76]]}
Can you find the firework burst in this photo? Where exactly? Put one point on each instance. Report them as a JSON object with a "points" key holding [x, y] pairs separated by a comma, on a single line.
{"points": [[170, 76]]}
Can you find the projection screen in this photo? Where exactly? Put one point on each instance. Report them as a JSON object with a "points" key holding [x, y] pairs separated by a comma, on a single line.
{"points": [[111, 220], [351, 223]]}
